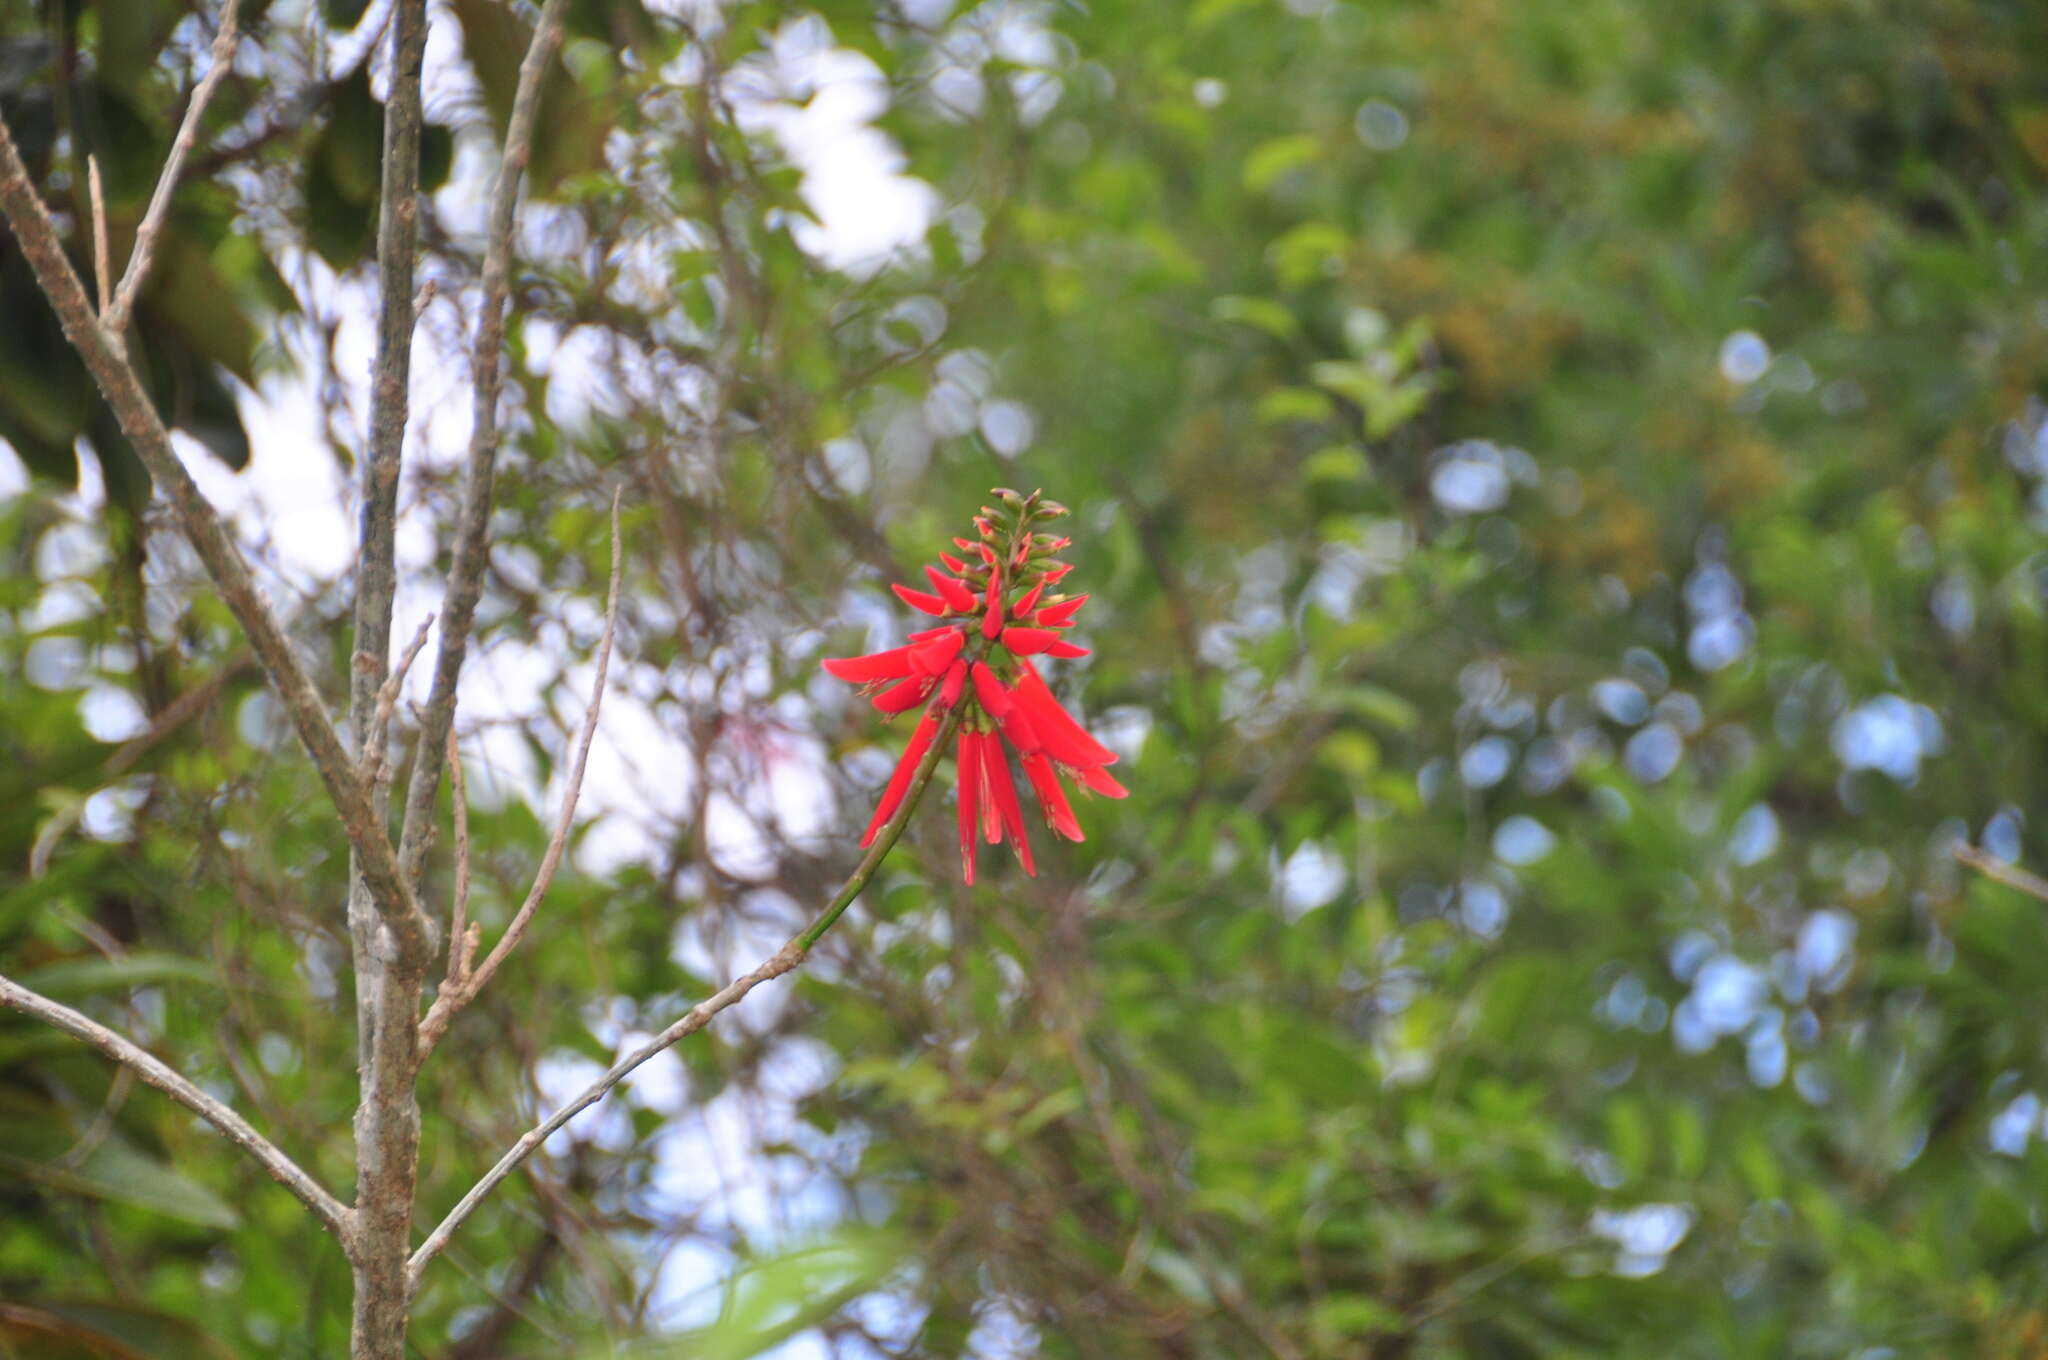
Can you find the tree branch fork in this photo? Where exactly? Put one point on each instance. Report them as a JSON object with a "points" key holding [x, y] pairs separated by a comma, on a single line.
{"points": [[396, 939]]}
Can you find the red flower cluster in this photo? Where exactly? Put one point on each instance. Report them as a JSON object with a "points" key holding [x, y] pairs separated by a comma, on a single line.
{"points": [[998, 616]]}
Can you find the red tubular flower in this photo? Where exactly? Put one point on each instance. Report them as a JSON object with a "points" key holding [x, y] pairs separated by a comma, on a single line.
{"points": [[899, 782], [1064, 739], [1058, 614], [905, 695], [968, 761], [992, 619], [958, 597], [1101, 781], [1021, 734], [995, 700], [934, 656], [998, 768], [1028, 641], [1059, 814], [917, 599], [973, 671], [893, 664]]}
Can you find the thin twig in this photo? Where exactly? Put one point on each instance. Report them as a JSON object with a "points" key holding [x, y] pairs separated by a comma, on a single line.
{"points": [[1992, 867], [102, 1123], [329, 1210], [141, 257], [374, 764], [464, 990], [461, 937], [176, 714], [785, 959], [37, 234], [472, 533], [102, 258]]}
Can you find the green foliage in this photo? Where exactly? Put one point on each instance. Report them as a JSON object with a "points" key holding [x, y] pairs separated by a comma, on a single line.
{"points": [[1561, 486]]}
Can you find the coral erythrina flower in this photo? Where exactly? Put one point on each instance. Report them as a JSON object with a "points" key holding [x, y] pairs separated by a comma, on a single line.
{"points": [[999, 607]]}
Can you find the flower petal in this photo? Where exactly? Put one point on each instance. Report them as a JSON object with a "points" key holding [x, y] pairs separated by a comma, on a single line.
{"points": [[1019, 730], [1028, 641], [967, 764], [905, 695], [1099, 780], [992, 621], [917, 599], [1057, 613], [1022, 609], [933, 657], [1065, 740], [1062, 647], [958, 598], [859, 670], [899, 782], [996, 701], [1005, 792], [989, 752], [954, 564], [955, 681], [1052, 799]]}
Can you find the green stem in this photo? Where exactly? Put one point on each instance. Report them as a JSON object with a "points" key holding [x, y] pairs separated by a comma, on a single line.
{"points": [[893, 828]]}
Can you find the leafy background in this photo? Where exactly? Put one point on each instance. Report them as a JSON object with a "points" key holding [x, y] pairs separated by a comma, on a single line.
{"points": [[1562, 490]]}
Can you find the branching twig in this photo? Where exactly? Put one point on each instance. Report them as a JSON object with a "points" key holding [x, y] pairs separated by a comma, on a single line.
{"points": [[790, 956], [472, 533], [462, 990], [329, 1210], [196, 517], [1992, 867], [176, 714], [141, 257], [387, 700]]}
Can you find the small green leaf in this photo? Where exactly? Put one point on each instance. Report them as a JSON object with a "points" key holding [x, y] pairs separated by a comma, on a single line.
{"points": [[1270, 160]]}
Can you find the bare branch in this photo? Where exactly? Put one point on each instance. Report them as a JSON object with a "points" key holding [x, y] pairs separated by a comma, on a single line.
{"points": [[1996, 869], [461, 939], [176, 714], [139, 259], [784, 960], [464, 990], [387, 1122], [139, 420], [102, 257], [387, 700], [472, 533], [333, 1215]]}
